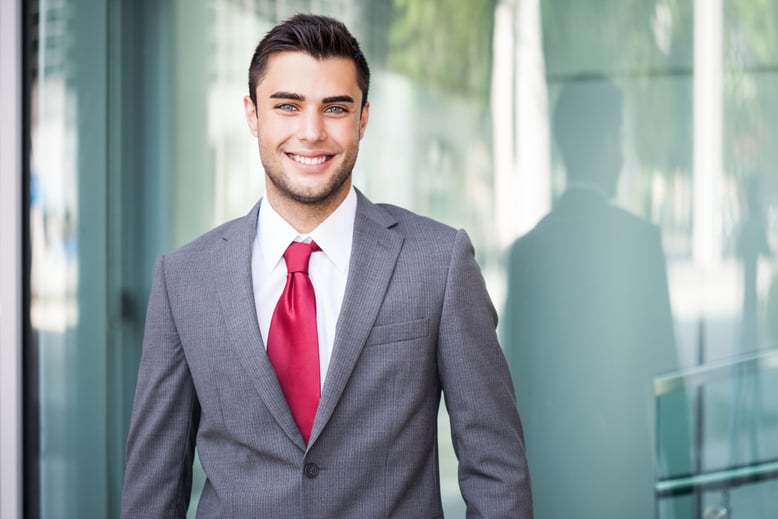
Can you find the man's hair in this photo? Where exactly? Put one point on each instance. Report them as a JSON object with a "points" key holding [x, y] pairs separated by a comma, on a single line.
{"points": [[586, 124], [319, 36]]}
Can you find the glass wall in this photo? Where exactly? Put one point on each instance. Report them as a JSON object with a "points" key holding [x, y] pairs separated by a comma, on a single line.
{"points": [[613, 163], [664, 108]]}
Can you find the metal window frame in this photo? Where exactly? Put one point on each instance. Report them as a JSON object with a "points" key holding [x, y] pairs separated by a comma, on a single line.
{"points": [[11, 206]]}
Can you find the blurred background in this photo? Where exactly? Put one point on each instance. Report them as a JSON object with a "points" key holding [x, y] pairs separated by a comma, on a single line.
{"points": [[640, 325]]}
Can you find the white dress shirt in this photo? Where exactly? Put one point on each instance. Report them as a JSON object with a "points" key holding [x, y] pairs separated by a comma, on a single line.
{"points": [[327, 269]]}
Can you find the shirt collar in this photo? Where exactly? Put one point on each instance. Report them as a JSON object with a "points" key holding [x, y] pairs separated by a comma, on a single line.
{"points": [[333, 236]]}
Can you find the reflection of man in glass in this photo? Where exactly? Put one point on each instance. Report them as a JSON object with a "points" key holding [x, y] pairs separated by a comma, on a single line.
{"points": [[588, 325]]}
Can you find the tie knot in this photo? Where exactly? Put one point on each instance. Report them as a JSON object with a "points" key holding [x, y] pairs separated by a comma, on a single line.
{"points": [[297, 256]]}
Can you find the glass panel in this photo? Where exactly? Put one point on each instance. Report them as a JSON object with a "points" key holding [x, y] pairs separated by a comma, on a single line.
{"points": [[68, 279], [587, 322]]}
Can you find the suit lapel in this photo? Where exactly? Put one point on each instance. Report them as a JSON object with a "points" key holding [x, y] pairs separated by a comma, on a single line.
{"points": [[374, 253], [231, 263]]}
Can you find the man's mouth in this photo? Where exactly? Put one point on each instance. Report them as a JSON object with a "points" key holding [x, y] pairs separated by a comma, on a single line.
{"points": [[309, 161]]}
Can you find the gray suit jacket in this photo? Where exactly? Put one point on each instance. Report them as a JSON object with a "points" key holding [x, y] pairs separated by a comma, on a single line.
{"points": [[416, 320]]}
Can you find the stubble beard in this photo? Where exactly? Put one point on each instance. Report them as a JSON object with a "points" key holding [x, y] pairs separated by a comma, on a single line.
{"points": [[306, 196]]}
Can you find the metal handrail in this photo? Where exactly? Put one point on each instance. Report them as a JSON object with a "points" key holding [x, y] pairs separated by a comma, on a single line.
{"points": [[723, 479], [697, 376]]}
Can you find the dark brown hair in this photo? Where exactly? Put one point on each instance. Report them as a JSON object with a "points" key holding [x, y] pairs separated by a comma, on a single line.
{"points": [[320, 36]]}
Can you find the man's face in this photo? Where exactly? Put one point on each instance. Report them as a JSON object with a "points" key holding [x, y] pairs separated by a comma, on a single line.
{"points": [[308, 121]]}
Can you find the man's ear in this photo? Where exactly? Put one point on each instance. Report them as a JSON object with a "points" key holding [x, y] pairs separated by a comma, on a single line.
{"points": [[364, 116], [251, 115]]}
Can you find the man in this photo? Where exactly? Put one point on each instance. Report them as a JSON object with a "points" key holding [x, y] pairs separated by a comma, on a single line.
{"points": [[588, 325], [337, 420]]}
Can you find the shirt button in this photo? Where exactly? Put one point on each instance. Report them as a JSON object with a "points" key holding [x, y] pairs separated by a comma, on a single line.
{"points": [[311, 470]]}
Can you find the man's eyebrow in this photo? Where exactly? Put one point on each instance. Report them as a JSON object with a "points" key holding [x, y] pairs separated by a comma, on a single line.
{"points": [[338, 99], [301, 98], [287, 95]]}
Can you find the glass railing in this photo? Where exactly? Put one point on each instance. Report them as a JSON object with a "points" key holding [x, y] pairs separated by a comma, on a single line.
{"points": [[730, 468]]}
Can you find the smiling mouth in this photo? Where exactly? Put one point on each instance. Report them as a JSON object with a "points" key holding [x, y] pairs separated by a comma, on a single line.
{"points": [[309, 161]]}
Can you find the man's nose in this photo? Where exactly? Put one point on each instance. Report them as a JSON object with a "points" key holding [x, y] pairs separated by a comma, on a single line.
{"points": [[312, 127]]}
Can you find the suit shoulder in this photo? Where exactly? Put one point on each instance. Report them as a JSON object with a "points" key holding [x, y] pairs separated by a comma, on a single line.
{"points": [[423, 237], [606, 227], [201, 246], [530, 239], [413, 224], [632, 221]]}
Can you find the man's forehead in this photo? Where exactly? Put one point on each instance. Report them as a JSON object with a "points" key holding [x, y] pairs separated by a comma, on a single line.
{"points": [[291, 61], [303, 74]]}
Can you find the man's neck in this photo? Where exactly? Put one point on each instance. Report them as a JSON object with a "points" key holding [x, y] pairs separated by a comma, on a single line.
{"points": [[588, 186], [306, 217]]}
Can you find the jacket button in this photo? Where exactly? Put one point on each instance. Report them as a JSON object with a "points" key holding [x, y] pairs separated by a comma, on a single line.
{"points": [[311, 470]]}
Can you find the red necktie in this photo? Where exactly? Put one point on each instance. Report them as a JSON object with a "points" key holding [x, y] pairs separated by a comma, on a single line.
{"points": [[293, 340]]}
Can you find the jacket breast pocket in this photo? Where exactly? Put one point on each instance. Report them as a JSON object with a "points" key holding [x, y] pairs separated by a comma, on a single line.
{"points": [[398, 332]]}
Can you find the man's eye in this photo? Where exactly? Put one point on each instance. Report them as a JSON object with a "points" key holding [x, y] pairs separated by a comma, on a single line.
{"points": [[287, 107], [335, 110]]}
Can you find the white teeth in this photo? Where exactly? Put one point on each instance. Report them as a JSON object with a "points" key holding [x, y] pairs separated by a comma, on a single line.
{"points": [[309, 161]]}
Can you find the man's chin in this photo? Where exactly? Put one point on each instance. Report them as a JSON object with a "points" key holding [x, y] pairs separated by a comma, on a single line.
{"points": [[313, 197], [311, 193], [310, 199]]}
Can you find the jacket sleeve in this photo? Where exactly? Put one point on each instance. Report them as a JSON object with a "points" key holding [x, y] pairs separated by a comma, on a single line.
{"points": [[486, 429], [165, 416]]}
